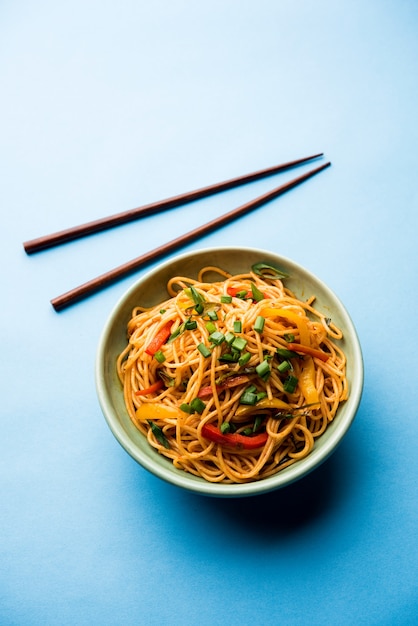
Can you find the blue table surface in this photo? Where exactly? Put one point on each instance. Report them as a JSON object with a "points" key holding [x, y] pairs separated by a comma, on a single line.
{"points": [[109, 105]]}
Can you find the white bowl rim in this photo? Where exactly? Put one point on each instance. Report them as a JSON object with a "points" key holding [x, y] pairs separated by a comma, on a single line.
{"points": [[187, 481]]}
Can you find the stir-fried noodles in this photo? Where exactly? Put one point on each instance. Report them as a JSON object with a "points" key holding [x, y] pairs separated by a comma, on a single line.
{"points": [[232, 380]]}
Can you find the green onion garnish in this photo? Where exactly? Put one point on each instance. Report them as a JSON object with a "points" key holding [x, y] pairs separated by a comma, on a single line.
{"points": [[290, 384], [159, 435], [269, 271], [259, 419], [195, 295], [244, 358], [186, 408], [284, 366], [239, 343], [263, 369], [225, 427], [198, 405], [289, 337], [248, 397], [212, 315], [237, 326], [190, 324], [287, 354], [159, 356], [229, 337], [229, 357], [241, 294], [204, 350], [259, 324], [226, 299], [257, 294], [210, 327], [217, 338]]}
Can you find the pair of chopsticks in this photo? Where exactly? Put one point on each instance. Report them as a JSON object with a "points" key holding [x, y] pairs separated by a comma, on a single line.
{"points": [[94, 285]]}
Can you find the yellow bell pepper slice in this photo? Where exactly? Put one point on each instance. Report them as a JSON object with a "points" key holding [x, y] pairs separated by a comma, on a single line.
{"points": [[307, 381], [265, 403], [148, 411], [300, 322]]}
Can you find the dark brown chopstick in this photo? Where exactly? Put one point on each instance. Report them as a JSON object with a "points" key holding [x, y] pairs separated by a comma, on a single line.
{"points": [[112, 276], [48, 241]]}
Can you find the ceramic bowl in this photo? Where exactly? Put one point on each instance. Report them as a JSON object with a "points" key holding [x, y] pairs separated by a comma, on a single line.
{"points": [[151, 289]]}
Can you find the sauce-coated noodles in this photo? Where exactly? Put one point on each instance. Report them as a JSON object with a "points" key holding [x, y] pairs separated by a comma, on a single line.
{"points": [[232, 380]]}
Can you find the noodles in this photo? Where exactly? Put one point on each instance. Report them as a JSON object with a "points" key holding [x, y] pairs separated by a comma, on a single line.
{"points": [[232, 380]]}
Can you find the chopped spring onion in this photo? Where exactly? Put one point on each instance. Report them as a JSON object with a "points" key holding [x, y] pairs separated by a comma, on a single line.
{"points": [[225, 427], [259, 419], [269, 271], [212, 315], [198, 405], [195, 295], [248, 397], [159, 435], [210, 327], [263, 369], [229, 357], [290, 384], [217, 338], [159, 356], [259, 324], [257, 294], [226, 299], [237, 326], [287, 354], [190, 324], [239, 343], [204, 350], [241, 294], [284, 366], [186, 408], [243, 360], [229, 337]]}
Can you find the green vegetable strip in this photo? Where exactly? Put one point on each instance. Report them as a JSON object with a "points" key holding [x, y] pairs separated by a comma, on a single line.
{"points": [[243, 360], [239, 343], [248, 397], [159, 356], [263, 369], [290, 384], [204, 350], [237, 326], [257, 295], [197, 405], [285, 366], [259, 324], [159, 435], [217, 338]]}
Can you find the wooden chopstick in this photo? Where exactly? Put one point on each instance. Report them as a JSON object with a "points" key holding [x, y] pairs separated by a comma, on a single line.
{"points": [[48, 241], [112, 276]]}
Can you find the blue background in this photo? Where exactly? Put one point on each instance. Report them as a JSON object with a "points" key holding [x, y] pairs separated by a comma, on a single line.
{"points": [[109, 105]]}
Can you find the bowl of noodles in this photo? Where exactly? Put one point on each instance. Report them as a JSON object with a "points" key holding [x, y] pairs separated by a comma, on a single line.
{"points": [[229, 372]]}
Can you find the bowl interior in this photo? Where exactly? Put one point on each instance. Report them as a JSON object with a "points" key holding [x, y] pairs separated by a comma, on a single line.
{"points": [[149, 290]]}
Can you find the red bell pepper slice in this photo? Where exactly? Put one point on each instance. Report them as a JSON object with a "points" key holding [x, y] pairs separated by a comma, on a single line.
{"points": [[299, 347], [151, 389], [233, 440], [234, 381], [232, 291], [159, 339]]}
